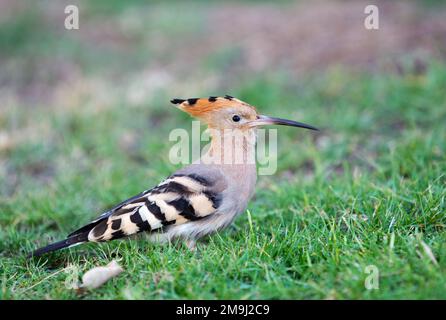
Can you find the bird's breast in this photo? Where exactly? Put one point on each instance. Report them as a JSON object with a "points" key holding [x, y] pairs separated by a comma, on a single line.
{"points": [[241, 184]]}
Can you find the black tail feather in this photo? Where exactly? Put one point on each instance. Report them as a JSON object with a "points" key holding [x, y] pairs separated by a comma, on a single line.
{"points": [[79, 238], [85, 229]]}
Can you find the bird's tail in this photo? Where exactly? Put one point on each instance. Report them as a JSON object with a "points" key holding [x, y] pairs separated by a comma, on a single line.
{"points": [[70, 241]]}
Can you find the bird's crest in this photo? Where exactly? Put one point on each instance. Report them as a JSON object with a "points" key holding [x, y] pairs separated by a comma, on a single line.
{"points": [[200, 106]]}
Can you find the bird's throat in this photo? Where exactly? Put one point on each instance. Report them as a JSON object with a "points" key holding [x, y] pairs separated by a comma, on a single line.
{"points": [[231, 147]]}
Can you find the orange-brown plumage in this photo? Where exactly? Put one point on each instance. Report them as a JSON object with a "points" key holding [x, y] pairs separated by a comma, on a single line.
{"points": [[198, 107]]}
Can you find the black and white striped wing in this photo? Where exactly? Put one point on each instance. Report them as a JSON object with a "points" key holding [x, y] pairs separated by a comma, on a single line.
{"points": [[178, 199]]}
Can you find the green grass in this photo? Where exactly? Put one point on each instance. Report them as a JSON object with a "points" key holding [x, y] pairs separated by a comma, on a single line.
{"points": [[368, 190]]}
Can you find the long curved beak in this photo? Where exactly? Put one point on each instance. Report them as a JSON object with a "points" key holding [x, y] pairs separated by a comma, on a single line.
{"points": [[264, 121]]}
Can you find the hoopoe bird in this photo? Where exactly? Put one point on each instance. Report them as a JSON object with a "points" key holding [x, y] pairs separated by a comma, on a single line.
{"points": [[199, 199]]}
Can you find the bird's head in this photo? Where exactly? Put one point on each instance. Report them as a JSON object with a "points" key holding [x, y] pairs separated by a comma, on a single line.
{"points": [[230, 113]]}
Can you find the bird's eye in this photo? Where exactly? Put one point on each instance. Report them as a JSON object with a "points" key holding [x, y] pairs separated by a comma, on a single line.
{"points": [[236, 118]]}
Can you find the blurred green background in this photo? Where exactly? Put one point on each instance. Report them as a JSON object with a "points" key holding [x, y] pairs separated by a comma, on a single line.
{"points": [[85, 118]]}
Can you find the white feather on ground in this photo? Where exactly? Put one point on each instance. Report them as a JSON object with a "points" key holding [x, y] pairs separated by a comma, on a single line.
{"points": [[96, 277]]}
